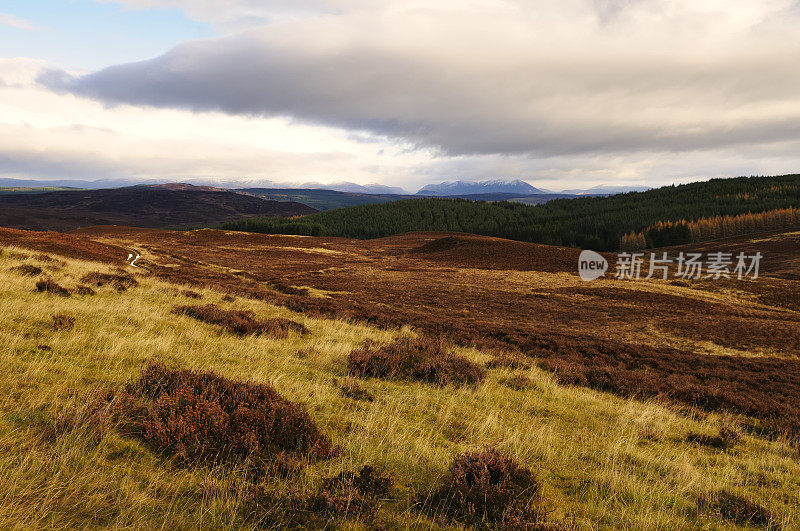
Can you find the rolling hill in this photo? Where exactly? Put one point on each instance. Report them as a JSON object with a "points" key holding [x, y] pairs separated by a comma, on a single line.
{"points": [[598, 223], [138, 206]]}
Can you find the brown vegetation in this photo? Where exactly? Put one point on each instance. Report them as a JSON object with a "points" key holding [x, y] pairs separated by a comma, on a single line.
{"points": [[241, 322], [191, 294], [27, 270], [49, 286], [488, 489], [349, 494], [203, 417], [713, 228], [423, 359], [739, 510], [63, 322], [83, 290], [120, 281]]}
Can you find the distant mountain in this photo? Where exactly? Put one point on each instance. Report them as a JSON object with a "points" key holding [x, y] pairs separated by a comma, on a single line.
{"points": [[355, 188], [604, 189], [187, 187], [137, 206], [461, 188]]}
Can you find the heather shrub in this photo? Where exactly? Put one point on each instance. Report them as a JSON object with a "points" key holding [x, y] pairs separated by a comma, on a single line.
{"points": [[83, 290], [49, 286], [739, 510], [120, 281], [421, 359], [27, 270], [487, 489], [282, 287], [63, 322], [349, 494], [203, 417], [241, 322], [368, 482], [191, 294]]}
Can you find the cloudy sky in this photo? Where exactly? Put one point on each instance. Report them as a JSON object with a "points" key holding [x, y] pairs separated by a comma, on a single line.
{"points": [[560, 93]]}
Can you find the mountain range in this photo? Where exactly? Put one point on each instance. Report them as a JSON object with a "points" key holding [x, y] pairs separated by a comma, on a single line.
{"points": [[497, 186]]}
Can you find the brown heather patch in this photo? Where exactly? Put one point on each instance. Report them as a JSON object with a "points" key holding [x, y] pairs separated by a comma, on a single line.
{"points": [[368, 482], [423, 359], [282, 287], [348, 495], [120, 281], [191, 294], [765, 388], [205, 418], [49, 286], [83, 290], [739, 510], [241, 322], [27, 270], [63, 322], [378, 282], [489, 490]]}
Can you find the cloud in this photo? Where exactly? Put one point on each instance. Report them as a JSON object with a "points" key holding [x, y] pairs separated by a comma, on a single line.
{"points": [[16, 22], [493, 77]]}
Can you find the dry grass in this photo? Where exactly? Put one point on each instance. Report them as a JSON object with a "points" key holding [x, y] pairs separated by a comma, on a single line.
{"points": [[600, 460], [422, 359], [47, 285], [241, 322], [63, 322]]}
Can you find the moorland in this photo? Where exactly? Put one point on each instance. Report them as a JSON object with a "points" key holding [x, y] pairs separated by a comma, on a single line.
{"points": [[419, 380]]}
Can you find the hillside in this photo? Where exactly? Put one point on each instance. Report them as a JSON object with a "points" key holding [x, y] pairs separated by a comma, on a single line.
{"points": [[589, 222], [321, 199], [139, 206], [211, 388]]}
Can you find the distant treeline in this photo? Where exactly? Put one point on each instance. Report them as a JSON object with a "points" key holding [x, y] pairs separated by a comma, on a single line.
{"points": [[666, 233], [589, 222]]}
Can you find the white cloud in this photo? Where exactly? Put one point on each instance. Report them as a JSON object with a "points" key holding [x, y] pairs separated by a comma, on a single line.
{"points": [[15, 22]]}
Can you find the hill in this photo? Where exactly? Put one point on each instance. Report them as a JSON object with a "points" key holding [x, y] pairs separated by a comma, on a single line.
{"points": [[349, 384], [460, 188], [139, 206], [598, 223], [321, 199]]}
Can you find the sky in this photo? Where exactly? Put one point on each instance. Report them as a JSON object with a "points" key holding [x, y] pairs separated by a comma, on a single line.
{"points": [[562, 94]]}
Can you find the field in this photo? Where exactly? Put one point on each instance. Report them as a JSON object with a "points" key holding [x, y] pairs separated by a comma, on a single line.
{"points": [[635, 404]]}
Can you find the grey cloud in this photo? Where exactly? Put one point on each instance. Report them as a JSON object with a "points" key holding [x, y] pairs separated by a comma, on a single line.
{"points": [[534, 101]]}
